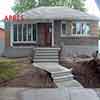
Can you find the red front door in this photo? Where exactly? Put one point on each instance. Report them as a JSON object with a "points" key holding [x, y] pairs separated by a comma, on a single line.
{"points": [[47, 35]]}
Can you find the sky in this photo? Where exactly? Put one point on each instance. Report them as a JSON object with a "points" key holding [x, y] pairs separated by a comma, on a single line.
{"points": [[92, 8], [5, 8]]}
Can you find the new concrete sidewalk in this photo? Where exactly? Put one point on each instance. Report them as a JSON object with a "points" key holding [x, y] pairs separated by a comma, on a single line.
{"points": [[10, 93], [59, 94], [49, 94]]}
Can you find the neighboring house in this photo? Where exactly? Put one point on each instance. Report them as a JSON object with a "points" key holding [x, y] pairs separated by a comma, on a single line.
{"points": [[53, 27], [4, 42]]}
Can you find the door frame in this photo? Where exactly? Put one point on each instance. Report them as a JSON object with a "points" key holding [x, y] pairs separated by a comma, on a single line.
{"points": [[52, 33]]}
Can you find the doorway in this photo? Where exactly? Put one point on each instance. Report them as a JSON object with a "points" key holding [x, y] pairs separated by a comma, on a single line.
{"points": [[45, 34]]}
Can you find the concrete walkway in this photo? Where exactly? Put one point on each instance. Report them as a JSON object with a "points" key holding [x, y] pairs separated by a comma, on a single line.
{"points": [[49, 94], [10, 93], [51, 67], [59, 94], [61, 75]]}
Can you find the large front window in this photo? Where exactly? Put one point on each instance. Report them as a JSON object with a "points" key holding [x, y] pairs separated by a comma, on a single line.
{"points": [[80, 28], [24, 32], [69, 28]]}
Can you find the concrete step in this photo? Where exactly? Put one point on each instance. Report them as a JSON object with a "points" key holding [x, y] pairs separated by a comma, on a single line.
{"points": [[61, 73], [47, 54], [63, 78], [46, 51], [45, 60], [71, 83], [40, 48], [45, 57]]}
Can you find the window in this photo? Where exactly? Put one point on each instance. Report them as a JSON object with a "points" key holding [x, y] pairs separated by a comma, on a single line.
{"points": [[29, 32], [19, 32], [15, 32], [69, 28], [86, 28], [65, 28], [24, 32], [79, 28], [34, 32]]}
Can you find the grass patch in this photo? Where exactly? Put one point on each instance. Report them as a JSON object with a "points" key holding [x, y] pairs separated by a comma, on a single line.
{"points": [[7, 69]]}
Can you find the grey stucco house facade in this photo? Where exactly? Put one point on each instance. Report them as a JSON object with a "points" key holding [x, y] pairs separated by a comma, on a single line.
{"points": [[52, 27]]}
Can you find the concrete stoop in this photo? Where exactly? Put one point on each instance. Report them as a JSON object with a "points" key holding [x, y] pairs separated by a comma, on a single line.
{"points": [[48, 59], [46, 55]]}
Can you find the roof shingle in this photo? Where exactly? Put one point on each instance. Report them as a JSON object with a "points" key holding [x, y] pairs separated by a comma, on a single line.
{"points": [[57, 13]]}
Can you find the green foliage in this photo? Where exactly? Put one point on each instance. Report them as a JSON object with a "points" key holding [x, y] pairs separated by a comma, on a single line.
{"points": [[23, 5], [7, 69], [77, 4]]}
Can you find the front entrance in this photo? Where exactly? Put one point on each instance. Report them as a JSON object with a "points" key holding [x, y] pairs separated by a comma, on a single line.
{"points": [[45, 34]]}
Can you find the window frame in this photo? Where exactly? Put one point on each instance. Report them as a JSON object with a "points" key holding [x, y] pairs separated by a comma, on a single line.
{"points": [[83, 34], [62, 34], [22, 39], [69, 34]]}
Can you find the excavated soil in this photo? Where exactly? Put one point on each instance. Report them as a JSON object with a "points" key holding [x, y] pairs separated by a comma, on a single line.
{"points": [[87, 72]]}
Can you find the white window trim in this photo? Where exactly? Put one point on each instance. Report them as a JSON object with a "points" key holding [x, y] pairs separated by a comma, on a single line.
{"points": [[17, 33], [71, 31], [31, 32], [11, 36], [53, 33], [22, 33], [27, 32], [67, 33], [63, 35], [22, 41], [79, 35]]}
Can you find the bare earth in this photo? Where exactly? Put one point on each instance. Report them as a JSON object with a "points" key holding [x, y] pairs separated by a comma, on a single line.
{"points": [[85, 70], [29, 76]]}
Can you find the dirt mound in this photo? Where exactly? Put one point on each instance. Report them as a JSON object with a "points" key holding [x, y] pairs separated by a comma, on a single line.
{"points": [[87, 73]]}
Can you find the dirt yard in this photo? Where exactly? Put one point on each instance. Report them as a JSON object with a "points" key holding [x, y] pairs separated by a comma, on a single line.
{"points": [[29, 76], [85, 70]]}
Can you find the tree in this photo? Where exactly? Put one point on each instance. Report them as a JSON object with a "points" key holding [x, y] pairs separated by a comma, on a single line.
{"points": [[76, 4], [23, 5]]}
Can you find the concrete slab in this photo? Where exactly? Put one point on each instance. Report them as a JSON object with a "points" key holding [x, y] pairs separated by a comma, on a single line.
{"points": [[45, 94], [71, 83], [51, 67], [61, 75], [10, 93], [82, 94], [59, 94]]}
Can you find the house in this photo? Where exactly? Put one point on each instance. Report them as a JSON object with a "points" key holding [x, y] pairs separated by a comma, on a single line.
{"points": [[4, 42], [53, 27]]}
